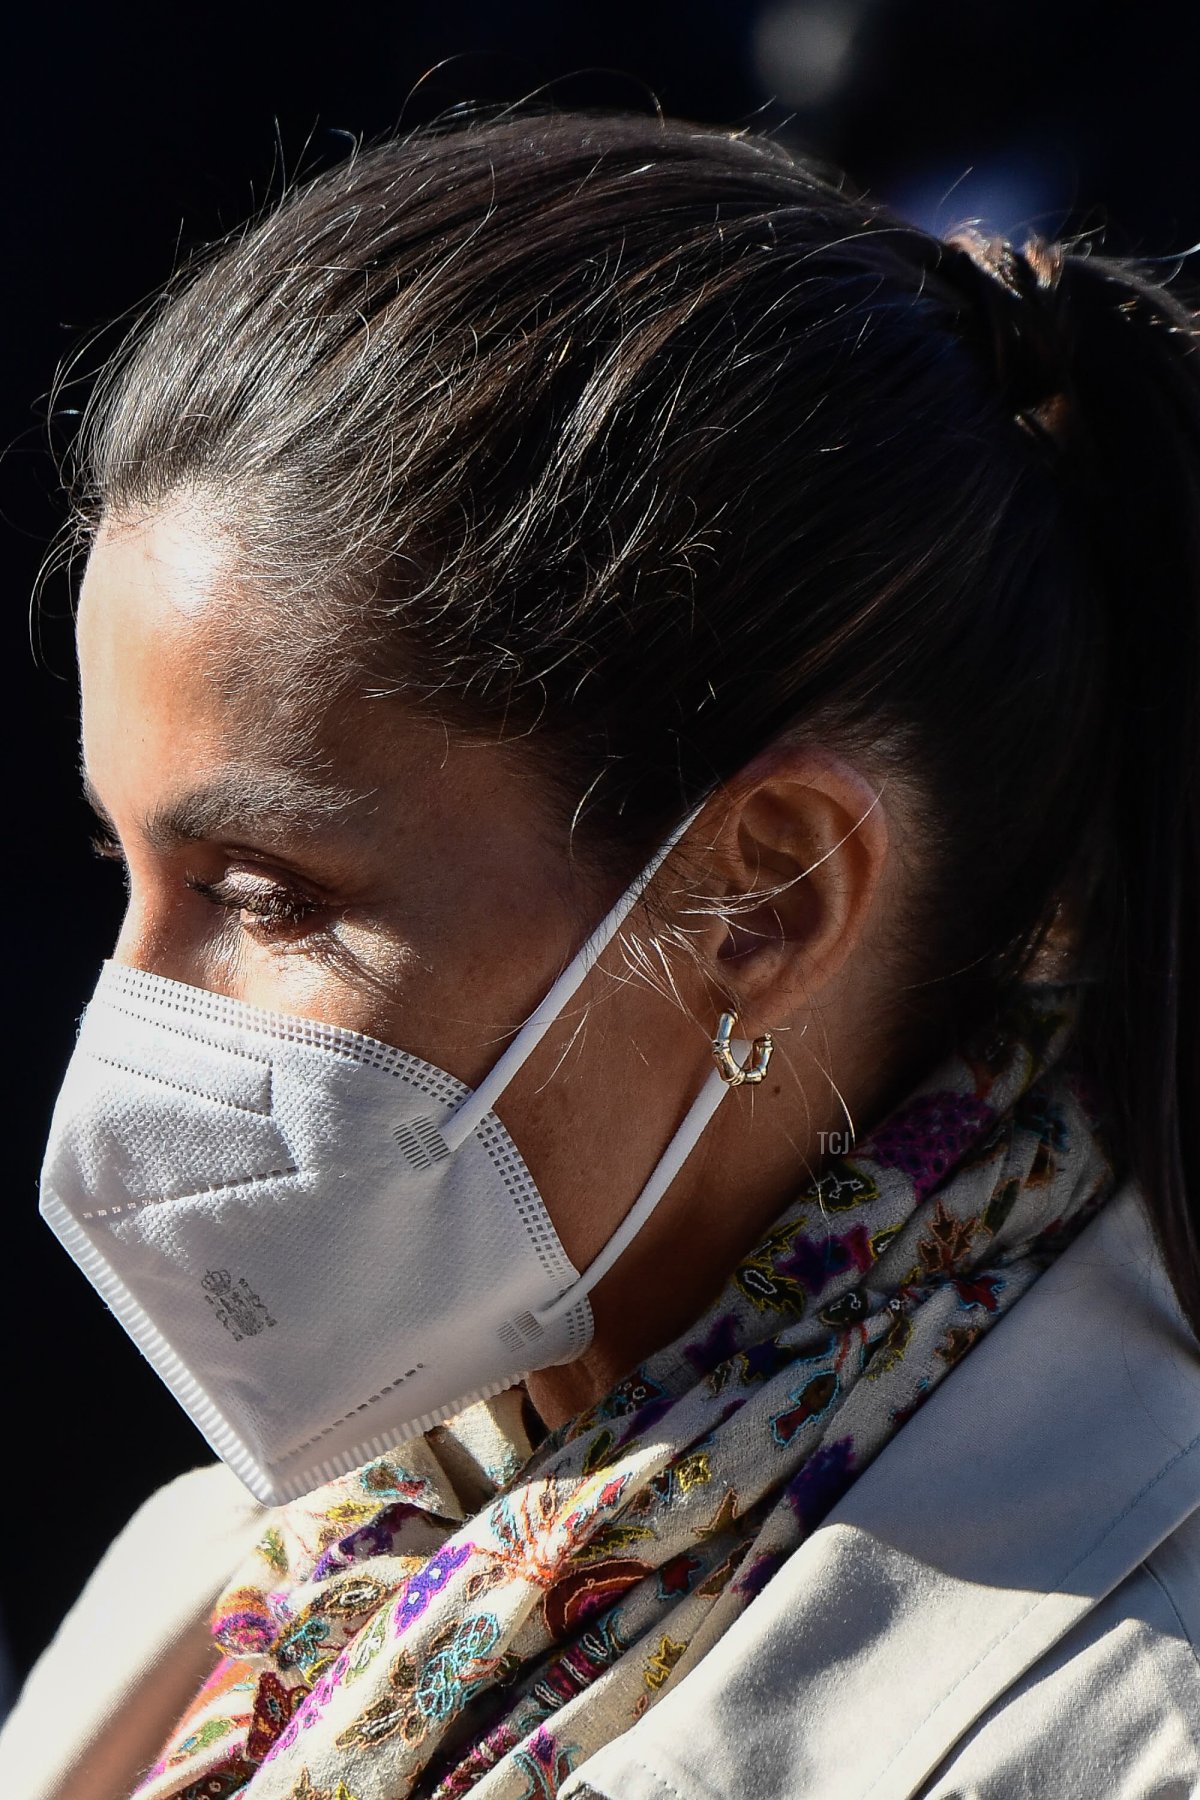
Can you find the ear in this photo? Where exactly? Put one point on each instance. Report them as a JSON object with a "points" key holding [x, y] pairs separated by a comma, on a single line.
{"points": [[799, 855]]}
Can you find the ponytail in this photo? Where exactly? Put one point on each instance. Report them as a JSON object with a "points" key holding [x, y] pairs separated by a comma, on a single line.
{"points": [[1101, 364]]}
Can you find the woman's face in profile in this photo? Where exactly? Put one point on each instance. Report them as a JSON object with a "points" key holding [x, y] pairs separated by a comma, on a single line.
{"points": [[354, 863]]}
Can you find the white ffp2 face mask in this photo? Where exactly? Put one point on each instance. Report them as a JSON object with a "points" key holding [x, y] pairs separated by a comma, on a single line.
{"points": [[324, 1245]]}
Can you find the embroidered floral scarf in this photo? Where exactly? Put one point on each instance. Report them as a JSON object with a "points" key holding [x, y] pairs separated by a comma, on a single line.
{"points": [[472, 1615]]}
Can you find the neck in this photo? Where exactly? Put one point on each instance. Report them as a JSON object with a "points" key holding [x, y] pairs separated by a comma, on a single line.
{"points": [[742, 1175]]}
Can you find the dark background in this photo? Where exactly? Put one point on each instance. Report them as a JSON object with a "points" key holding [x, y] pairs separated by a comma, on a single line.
{"points": [[131, 138]]}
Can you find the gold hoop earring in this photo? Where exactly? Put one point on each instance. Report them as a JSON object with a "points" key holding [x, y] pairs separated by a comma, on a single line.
{"points": [[755, 1066]]}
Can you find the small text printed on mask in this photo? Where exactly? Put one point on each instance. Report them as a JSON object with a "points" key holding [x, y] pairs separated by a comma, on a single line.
{"points": [[237, 1306]]}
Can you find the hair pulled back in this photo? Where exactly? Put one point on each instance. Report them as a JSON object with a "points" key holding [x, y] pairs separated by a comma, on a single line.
{"points": [[653, 443]]}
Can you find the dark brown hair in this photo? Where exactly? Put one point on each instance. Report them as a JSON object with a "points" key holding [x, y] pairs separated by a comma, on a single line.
{"points": [[651, 442]]}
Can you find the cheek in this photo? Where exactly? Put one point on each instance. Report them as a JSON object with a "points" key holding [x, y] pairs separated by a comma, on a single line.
{"points": [[454, 1005], [598, 1103], [360, 981]]}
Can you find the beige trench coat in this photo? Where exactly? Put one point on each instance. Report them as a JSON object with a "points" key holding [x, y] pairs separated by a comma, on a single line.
{"points": [[1006, 1604]]}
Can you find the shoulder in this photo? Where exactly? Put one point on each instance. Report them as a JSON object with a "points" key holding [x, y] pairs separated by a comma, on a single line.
{"points": [[1112, 1709], [135, 1646], [209, 1506], [1006, 1601]]}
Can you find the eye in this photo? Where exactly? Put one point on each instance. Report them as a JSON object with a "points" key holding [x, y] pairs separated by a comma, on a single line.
{"points": [[265, 908], [105, 843]]}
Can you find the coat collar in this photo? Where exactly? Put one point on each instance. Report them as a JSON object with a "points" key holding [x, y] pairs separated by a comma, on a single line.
{"points": [[1045, 1468]]}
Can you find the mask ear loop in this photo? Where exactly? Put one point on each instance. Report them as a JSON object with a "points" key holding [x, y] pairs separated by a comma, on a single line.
{"points": [[462, 1122], [668, 1166], [459, 1126]]}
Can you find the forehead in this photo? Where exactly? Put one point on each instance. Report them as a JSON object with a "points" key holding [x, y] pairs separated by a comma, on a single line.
{"points": [[160, 607], [163, 682], [173, 556], [191, 694]]}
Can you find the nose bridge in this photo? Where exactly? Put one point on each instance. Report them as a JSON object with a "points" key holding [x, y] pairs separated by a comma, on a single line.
{"points": [[133, 945], [159, 934]]}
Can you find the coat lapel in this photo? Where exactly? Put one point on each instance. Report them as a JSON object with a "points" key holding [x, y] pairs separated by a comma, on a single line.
{"points": [[1061, 1451]]}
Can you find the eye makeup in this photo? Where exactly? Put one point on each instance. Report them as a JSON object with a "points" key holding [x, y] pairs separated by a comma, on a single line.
{"points": [[264, 907]]}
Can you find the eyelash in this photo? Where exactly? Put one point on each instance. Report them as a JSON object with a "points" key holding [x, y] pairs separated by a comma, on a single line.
{"points": [[268, 913], [106, 846]]}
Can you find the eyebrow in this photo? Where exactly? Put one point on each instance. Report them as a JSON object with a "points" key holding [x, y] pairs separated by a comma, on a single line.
{"points": [[237, 801]]}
